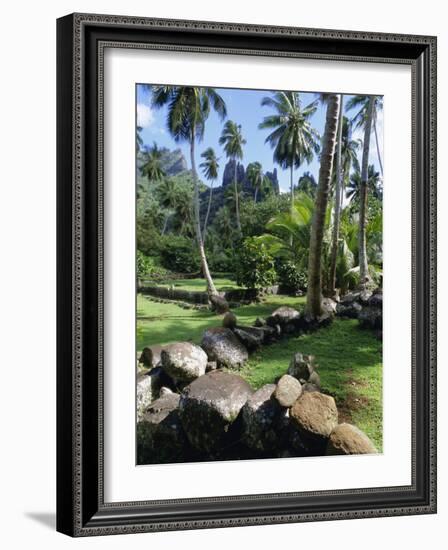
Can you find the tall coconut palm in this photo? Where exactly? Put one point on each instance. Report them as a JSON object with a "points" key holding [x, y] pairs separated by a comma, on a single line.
{"points": [[337, 203], [353, 192], [210, 168], [152, 167], [256, 178], [188, 110], [363, 119], [293, 139], [167, 192], [350, 148], [233, 141], [314, 292]]}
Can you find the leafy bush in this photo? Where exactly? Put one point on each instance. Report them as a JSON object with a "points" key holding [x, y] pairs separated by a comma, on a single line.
{"points": [[290, 275], [147, 266], [221, 261], [255, 266], [179, 254]]}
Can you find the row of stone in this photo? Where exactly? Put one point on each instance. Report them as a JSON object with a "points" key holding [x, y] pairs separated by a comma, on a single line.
{"points": [[364, 305], [219, 416]]}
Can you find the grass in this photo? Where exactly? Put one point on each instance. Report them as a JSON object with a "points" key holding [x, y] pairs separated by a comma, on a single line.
{"points": [[349, 359], [221, 283]]}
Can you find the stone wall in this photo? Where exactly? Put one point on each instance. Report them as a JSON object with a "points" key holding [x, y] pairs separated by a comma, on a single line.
{"points": [[191, 408]]}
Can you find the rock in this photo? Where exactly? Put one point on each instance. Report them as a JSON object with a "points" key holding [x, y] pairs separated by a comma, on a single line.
{"points": [[270, 334], [148, 388], [209, 406], [346, 439], [151, 356], [259, 322], [371, 317], [283, 316], [329, 306], [251, 337], [308, 387], [364, 297], [229, 320], [349, 298], [314, 379], [288, 390], [222, 346], [184, 362], [376, 300], [165, 391], [211, 365], [301, 366], [315, 416], [350, 310], [160, 436], [219, 304], [260, 417]]}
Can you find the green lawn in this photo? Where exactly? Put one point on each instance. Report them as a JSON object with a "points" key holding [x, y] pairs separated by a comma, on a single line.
{"points": [[221, 284], [349, 359]]}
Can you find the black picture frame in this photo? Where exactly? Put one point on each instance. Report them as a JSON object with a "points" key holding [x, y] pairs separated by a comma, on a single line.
{"points": [[81, 510]]}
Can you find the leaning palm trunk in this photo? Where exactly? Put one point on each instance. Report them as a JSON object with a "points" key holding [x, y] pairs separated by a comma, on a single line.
{"points": [[237, 207], [211, 289], [204, 231], [378, 147], [314, 292], [337, 207], [362, 244]]}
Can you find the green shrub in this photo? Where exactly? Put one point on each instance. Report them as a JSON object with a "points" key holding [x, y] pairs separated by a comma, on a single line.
{"points": [[179, 254], [290, 275], [254, 265], [147, 266]]}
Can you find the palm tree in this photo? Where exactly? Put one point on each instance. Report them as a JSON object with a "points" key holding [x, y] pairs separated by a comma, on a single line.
{"points": [[168, 194], [337, 203], [152, 167], [210, 168], [314, 292], [363, 119], [293, 139], [233, 141], [354, 186], [307, 184], [188, 110], [257, 178]]}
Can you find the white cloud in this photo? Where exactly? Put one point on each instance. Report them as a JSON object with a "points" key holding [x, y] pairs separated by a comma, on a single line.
{"points": [[145, 116]]}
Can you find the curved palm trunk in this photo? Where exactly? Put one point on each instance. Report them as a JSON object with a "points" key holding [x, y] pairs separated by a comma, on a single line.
{"points": [[211, 289], [363, 267], [378, 147], [237, 206], [204, 231], [314, 292], [291, 185], [337, 206]]}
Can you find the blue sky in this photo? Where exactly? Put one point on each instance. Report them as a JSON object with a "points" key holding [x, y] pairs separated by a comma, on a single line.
{"points": [[244, 107]]}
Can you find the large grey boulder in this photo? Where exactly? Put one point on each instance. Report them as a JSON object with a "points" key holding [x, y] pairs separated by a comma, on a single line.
{"points": [[261, 417], [160, 436], [149, 384], [284, 316], [251, 337], [350, 310], [315, 416], [371, 317], [329, 306], [222, 346], [209, 406], [184, 361], [301, 366], [346, 439], [288, 390]]}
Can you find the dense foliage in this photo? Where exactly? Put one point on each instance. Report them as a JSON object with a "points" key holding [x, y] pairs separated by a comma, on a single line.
{"points": [[255, 266]]}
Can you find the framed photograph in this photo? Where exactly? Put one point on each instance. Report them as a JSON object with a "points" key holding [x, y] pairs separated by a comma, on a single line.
{"points": [[234, 202]]}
